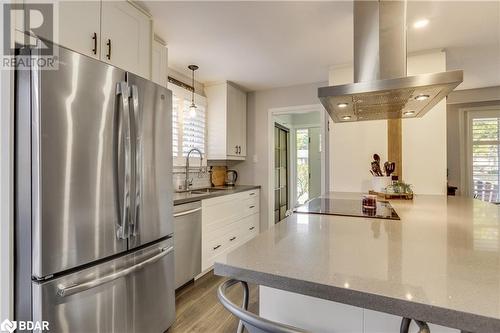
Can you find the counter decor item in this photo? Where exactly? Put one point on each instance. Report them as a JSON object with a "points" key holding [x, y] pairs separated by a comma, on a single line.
{"points": [[231, 177], [380, 181], [396, 190], [218, 175]]}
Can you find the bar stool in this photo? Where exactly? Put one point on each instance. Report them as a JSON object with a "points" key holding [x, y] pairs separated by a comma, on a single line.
{"points": [[248, 320]]}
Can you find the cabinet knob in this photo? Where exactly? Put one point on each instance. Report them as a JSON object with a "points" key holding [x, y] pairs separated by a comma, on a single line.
{"points": [[251, 228]]}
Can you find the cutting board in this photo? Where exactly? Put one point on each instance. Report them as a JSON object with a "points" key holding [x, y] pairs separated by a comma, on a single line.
{"points": [[218, 177]]}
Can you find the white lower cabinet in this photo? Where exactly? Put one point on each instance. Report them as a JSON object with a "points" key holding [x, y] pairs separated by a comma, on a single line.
{"points": [[322, 316], [227, 222]]}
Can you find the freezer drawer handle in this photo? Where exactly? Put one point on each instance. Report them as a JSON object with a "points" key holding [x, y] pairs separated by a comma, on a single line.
{"points": [[187, 212], [64, 291]]}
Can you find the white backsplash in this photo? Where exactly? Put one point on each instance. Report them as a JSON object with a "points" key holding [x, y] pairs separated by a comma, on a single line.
{"points": [[200, 179]]}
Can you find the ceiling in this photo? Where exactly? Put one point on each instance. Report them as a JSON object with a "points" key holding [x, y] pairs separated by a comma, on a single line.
{"points": [[261, 45]]}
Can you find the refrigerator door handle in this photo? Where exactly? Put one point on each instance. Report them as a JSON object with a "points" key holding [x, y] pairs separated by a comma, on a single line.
{"points": [[137, 176], [122, 91], [64, 291]]}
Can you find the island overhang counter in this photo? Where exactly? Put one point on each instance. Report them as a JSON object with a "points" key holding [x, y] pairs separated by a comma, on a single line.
{"points": [[440, 263]]}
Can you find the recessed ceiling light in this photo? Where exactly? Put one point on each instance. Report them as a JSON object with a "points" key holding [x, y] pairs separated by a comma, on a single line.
{"points": [[342, 105], [421, 97], [408, 113], [346, 118], [421, 23]]}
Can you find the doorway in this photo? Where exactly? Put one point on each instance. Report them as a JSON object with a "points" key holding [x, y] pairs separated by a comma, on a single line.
{"points": [[308, 164], [307, 158]]}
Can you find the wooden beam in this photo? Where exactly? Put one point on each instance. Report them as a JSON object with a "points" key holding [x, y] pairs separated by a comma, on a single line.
{"points": [[394, 145]]}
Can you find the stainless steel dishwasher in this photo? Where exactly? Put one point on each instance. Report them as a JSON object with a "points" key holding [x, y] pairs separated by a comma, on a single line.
{"points": [[187, 242]]}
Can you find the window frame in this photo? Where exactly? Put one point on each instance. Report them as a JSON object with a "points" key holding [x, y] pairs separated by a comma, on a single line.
{"points": [[184, 94], [470, 114]]}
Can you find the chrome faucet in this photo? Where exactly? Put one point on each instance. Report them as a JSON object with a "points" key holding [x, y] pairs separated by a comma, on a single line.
{"points": [[188, 182]]}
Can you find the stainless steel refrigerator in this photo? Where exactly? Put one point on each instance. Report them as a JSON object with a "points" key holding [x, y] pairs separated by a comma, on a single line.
{"points": [[93, 182]]}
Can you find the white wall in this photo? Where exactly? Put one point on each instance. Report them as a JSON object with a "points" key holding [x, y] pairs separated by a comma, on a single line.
{"points": [[352, 145], [424, 139], [254, 170]]}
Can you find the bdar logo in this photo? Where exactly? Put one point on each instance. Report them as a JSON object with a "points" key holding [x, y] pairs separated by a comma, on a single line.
{"points": [[8, 326]]}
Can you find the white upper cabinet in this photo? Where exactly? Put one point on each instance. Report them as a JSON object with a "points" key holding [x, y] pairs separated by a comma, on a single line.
{"points": [[159, 62], [227, 118], [116, 32], [79, 26], [126, 37]]}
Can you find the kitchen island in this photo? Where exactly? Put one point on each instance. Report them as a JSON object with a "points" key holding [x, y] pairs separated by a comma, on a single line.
{"points": [[440, 263]]}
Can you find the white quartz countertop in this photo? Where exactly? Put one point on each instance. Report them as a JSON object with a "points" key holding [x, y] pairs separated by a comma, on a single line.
{"points": [[440, 263]]}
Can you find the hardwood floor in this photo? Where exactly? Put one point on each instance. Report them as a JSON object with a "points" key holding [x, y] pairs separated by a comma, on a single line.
{"points": [[198, 308]]}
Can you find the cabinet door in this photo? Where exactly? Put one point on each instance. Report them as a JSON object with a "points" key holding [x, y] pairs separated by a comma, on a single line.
{"points": [[79, 26], [126, 37], [233, 121], [159, 63]]}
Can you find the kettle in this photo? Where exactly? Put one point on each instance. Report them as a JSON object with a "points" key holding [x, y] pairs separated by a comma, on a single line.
{"points": [[231, 177]]}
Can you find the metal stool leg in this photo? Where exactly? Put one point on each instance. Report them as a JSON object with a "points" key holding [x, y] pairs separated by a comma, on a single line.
{"points": [[246, 293], [405, 325], [422, 326]]}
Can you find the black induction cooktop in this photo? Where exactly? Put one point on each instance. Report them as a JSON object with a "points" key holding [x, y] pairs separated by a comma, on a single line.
{"points": [[348, 207]]}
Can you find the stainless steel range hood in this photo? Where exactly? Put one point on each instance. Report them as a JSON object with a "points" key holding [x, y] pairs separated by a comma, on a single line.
{"points": [[381, 89]]}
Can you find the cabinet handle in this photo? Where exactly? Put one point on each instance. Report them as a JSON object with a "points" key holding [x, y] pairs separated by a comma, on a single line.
{"points": [[109, 49], [239, 150], [251, 228], [215, 248], [236, 149], [253, 193], [251, 207], [232, 238], [94, 38]]}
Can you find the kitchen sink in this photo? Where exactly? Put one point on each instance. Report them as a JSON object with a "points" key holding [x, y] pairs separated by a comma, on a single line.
{"points": [[206, 190]]}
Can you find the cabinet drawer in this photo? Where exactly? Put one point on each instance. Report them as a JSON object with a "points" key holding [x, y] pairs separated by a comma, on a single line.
{"points": [[252, 193], [250, 206]]}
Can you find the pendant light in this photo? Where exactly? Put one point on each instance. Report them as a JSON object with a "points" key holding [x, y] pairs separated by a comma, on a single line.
{"points": [[192, 107]]}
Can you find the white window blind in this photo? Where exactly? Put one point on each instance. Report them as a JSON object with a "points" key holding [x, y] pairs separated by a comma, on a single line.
{"points": [[175, 126], [188, 130], [193, 127], [485, 135]]}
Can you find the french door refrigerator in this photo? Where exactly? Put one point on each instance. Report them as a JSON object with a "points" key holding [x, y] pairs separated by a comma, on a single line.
{"points": [[94, 224]]}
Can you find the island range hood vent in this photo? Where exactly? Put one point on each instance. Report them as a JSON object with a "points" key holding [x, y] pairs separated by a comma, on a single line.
{"points": [[381, 89]]}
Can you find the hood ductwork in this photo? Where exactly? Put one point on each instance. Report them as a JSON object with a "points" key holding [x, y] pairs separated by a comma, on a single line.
{"points": [[381, 89]]}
